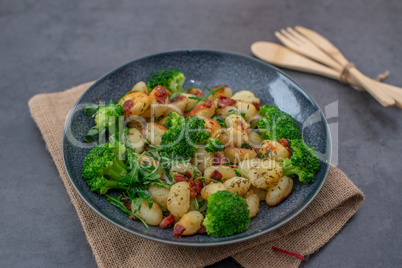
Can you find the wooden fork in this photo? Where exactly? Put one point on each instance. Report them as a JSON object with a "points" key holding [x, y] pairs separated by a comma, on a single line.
{"points": [[302, 45]]}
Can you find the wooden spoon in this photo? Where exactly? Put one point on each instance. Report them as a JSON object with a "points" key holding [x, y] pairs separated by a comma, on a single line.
{"points": [[281, 56]]}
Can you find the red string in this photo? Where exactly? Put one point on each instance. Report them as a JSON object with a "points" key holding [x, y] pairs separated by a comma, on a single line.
{"points": [[289, 253]]}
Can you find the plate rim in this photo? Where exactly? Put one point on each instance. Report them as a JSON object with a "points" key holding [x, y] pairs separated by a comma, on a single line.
{"points": [[203, 244]]}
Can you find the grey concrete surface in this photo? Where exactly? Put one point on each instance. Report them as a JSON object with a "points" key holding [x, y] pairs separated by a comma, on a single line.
{"points": [[48, 46]]}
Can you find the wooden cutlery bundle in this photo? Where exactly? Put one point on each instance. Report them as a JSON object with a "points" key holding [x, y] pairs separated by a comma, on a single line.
{"points": [[310, 52]]}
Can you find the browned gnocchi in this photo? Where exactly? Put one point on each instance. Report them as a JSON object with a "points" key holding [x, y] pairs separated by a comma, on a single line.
{"points": [[169, 175]]}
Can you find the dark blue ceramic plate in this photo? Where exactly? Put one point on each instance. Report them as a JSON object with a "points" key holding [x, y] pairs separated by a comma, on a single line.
{"points": [[213, 68]]}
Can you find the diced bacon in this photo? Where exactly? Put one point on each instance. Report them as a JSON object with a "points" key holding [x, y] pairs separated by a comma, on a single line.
{"points": [[161, 94], [285, 143], [167, 222], [198, 186], [255, 149], [196, 91], [178, 230], [225, 101], [127, 204], [257, 105], [127, 107], [202, 230], [191, 185], [208, 103], [193, 194], [216, 175], [179, 177], [188, 174], [195, 188]]}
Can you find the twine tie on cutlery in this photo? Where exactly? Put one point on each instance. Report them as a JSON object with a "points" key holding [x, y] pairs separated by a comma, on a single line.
{"points": [[344, 76], [345, 79], [382, 76]]}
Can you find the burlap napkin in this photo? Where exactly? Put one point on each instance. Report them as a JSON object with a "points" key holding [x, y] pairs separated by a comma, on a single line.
{"points": [[338, 200]]}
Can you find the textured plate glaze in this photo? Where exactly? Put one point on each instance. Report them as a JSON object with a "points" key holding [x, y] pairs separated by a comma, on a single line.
{"points": [[213, 68]]}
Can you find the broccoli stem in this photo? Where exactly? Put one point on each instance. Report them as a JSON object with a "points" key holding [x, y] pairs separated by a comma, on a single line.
{"points": [[288, 169], [117, 170], [110, 184]]}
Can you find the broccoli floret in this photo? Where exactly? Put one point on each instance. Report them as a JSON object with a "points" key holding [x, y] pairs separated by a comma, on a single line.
{"points": [[174, 119], [172, 80], [195, 129], [304, 161], [106, 115], [227, 214], [214, 145], [180, 140], [105, 160], [277, 124]]}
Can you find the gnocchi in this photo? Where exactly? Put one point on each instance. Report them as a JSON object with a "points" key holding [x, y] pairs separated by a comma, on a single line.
{"points": [[159, 195], [178, 202], [237, 121], [141, 87], [237, 185], [274, 150], [261, 173], [279, 191], [190, 222], [247, 109], [246, 96], [236, 154], [205, 109], [219, 173], [202, 159], [154, 132], [224, 91], [253, 202], [233, 137], [182, 168], [184, 176], [211, 189], [178, 104], [135, 103], [213, 127], [255, 139], [152, 216], [135, 140]]}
